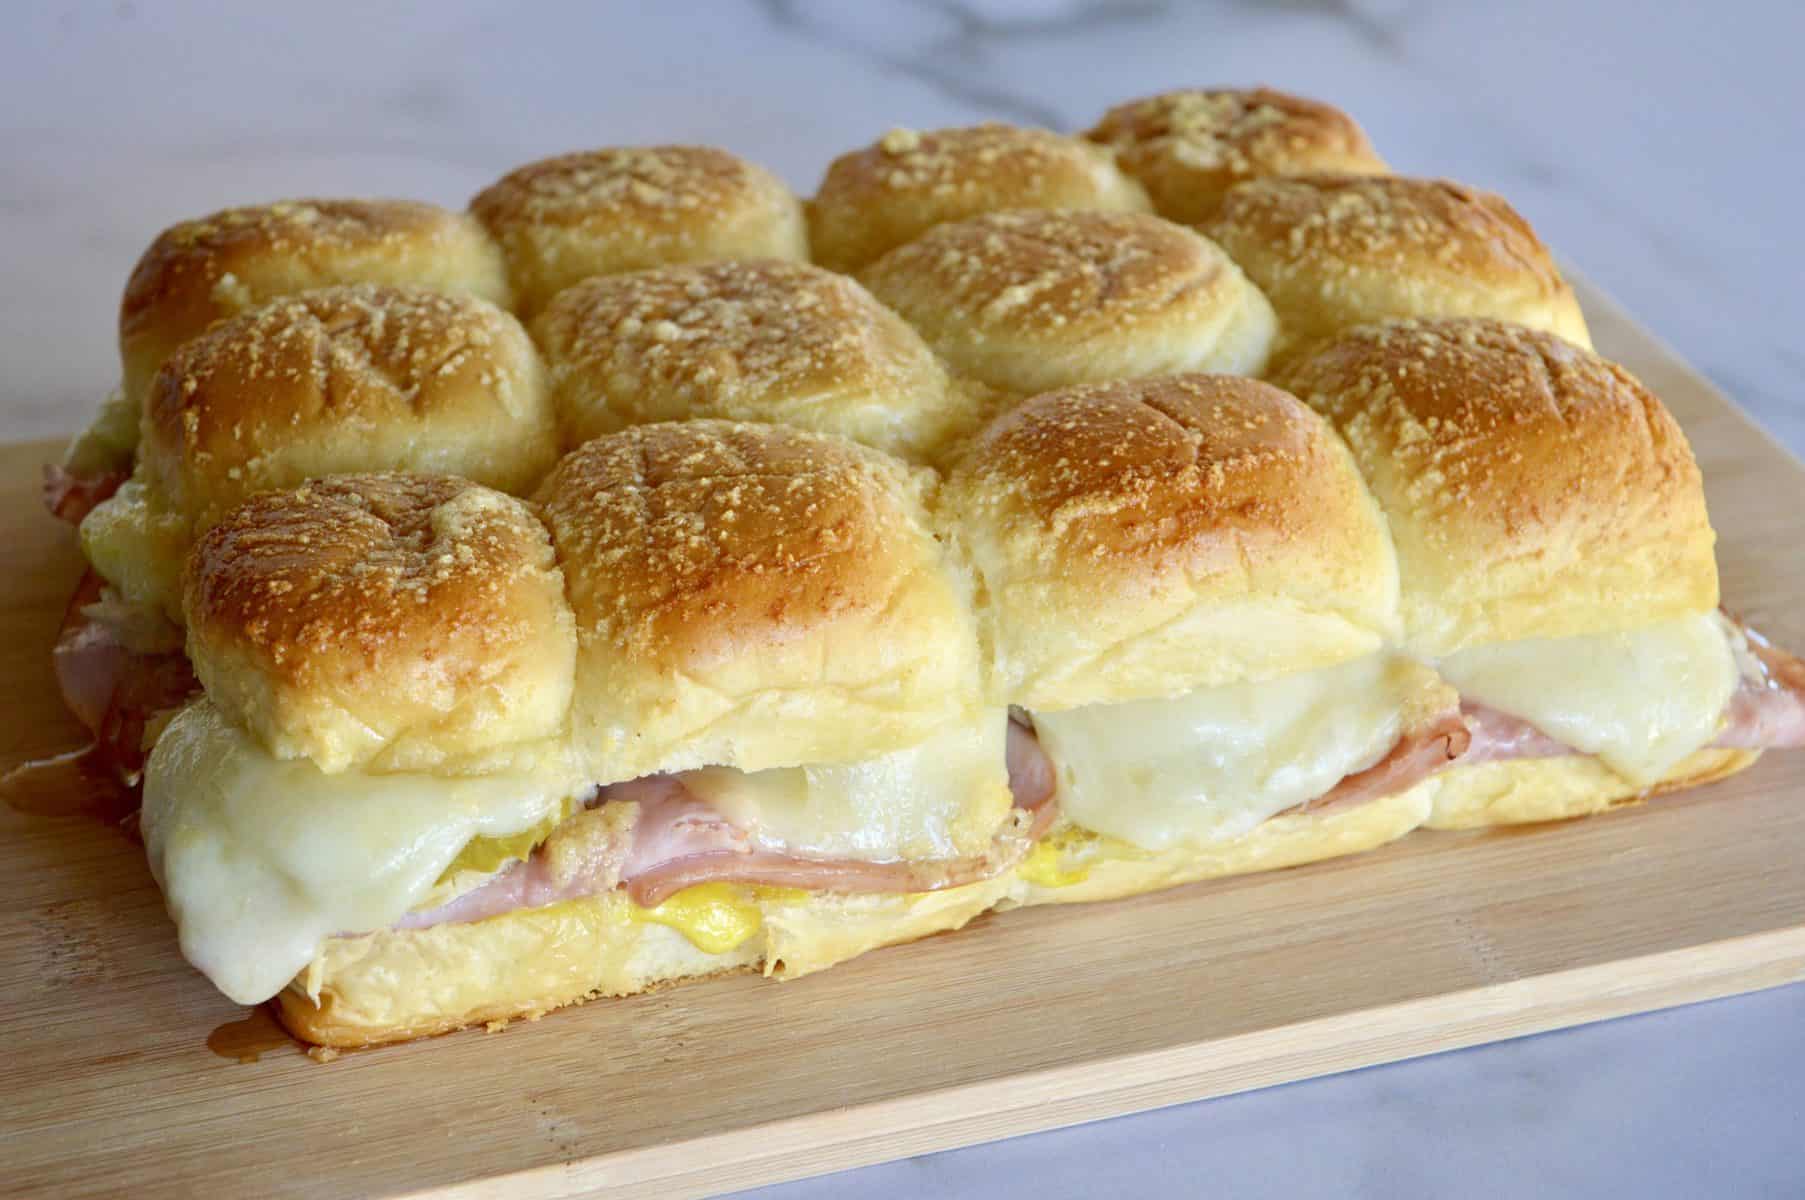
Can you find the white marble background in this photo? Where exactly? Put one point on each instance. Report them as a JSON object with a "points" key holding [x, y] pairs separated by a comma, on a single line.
{"points": [[1660, 147]]}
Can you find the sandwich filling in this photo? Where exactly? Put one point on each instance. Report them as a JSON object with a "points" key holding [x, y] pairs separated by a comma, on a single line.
{"points": [[1214, 764], [1639, 701], [263, 859]]}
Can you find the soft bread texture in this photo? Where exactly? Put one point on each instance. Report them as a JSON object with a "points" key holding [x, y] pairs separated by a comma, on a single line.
{"points": [[598, 212], [1075, 866], [397, 621], [395, 985], [874, 200], [1332, 251], [1525, 790], [1031, 301], [1533, 489], [218, 266], [767, 341], [754, 596], [1148, 537], [1188, 147], [363, 377]]}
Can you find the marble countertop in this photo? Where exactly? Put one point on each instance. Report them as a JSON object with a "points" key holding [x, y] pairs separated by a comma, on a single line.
{"points": [[1660, 151]]}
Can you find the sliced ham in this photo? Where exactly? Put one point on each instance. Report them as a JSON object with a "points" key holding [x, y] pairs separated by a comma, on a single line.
{"points": [[71, 497], [1766, 712], [88, 657], [1417, 755], [676, 841], [112, 689], [1497, 736]]}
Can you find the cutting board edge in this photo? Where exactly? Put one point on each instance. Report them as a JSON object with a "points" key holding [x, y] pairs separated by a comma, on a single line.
{"points": [[840, 1139]]}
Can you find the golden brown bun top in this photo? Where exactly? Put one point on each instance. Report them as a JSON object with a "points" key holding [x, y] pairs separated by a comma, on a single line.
{"points": [[1335, 251], [904, 184], [354, 378], [1148, 537], [1189, 147], [768, 341], [1028, 301], [625, 208], [754, 596], [218, 266], [1533, 489], [404, 620]]}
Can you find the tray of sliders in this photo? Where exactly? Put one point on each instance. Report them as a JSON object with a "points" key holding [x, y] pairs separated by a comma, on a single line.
{"points": [[1148, 609]]}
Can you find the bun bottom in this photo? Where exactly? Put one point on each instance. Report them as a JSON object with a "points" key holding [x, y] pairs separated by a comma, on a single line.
{"points": [[1075, 866], [401, 984], [1519, 791]]}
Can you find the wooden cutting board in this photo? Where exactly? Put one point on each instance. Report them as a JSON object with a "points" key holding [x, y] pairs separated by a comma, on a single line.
{"points": [[1023, 1021]]}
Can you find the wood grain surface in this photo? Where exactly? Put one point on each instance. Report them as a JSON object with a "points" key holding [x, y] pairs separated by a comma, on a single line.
{"points": [[1021, 1022]]}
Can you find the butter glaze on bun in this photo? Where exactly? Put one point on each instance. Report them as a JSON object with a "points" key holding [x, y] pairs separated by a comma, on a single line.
{"points": [[1533, 489], [767, 341], [1334, 251], [876, 199], [200, 271], [356, 378], [361, 377], [755, 596], [404, 621], [598, 212], [1148, 537], [1188, 147], [1031, 301]]}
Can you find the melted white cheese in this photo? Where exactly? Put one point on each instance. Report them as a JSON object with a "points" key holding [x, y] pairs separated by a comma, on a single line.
{"points": [[1213, 764], [942, 798], [262, 859], [1641, 701]]}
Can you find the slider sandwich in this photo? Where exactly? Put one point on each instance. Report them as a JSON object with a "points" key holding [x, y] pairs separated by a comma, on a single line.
{"points": [[1189, 147], [893, 191], [219, 266], [714, 702], [1029, 301], [1557, 568], [1332, 251], [763, 340], [344, 378], [598, 212], [1191, 604]]}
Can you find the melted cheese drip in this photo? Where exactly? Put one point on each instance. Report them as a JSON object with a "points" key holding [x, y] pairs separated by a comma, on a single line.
{"points": [[1640, 701], [942, 798], [262, 859], [1213, 764]]}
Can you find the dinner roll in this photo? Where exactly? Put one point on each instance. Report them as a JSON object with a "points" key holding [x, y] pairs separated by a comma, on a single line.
{"points": [[754, 596], [400, 621], [598, 212], [1188, 147], [201, 271], [891, 192], [361, 377], [768, 341], [1533, 489], [1144, 538], [1334, 251], [1029, 301], [356, 378]]}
